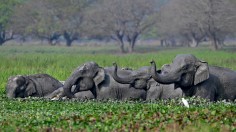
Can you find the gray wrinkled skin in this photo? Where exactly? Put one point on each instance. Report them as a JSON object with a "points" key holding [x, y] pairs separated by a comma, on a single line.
{"points": [[163, 92], [101, 83], [38, 85], [196, 78], [80, 95], [141, 79]]}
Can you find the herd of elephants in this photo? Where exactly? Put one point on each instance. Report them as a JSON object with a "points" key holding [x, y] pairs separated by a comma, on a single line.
{"points": [[185, 76]]}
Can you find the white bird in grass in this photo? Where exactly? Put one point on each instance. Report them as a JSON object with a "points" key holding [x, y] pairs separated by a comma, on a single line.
{"points": [[185, 102]]}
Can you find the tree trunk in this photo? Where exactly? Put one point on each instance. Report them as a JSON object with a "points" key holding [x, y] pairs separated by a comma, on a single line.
{"points": [[121, 42], [162, 42], [194, 43], [69, 42], [4, 38], [53, 39], [1, 42], [132, 41], [68, 38], [131, 47], [172, 42], [50, 42], [214, 43], [122, 48]]}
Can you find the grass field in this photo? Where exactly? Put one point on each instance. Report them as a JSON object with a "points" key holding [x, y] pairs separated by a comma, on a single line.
{"points": [[45, 115]]}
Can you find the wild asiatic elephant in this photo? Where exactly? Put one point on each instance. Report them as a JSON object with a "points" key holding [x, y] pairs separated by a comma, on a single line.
{"points": [[80, 95], [100, 82], [38, 85], [141, 79], [196, 78]]}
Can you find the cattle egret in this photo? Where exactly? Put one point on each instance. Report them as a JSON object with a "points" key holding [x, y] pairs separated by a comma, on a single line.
{"points": [[185, 102]]}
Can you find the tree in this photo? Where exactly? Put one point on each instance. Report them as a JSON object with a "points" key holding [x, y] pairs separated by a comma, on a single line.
{"points": [[72, 19], [122, 19], [167, 24], [196, 20], [49, 19], [141, 18], [6, 11], [38, 18], [217, 19]]}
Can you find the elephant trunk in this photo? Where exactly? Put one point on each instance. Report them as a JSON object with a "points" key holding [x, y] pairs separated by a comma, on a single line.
{"points": [[68, 86], [159, 77], [123, 80], [11, 93]]}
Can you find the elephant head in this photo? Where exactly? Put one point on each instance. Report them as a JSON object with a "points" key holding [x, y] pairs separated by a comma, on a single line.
{"points": [[83, 84], [185, 71], [16, 86], [137, 79], [86, 77]]}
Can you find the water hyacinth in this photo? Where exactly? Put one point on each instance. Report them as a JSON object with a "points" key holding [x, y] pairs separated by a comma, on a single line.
{"points": [[36, 114]]}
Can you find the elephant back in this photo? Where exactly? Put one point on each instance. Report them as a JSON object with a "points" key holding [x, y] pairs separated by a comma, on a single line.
{"points": [[45, 84]]}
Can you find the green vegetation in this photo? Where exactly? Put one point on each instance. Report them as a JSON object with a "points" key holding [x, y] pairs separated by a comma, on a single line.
{"points": [[44, 115]]}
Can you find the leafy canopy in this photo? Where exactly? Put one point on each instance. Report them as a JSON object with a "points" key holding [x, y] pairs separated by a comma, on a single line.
{"points": [[6, 10]]}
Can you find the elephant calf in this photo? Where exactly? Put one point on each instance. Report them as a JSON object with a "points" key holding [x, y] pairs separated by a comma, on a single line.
{"points": [[38, 85], [59, 93]]}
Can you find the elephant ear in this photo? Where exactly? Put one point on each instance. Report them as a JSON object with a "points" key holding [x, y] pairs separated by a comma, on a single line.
{"points": [[100, 76], [202, 72], [21, 82], [30, 89]]}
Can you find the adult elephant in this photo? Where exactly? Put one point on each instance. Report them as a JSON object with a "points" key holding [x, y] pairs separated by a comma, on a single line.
{"points": [[37, 85], [100, 82], [196, 78], [141, 79]]}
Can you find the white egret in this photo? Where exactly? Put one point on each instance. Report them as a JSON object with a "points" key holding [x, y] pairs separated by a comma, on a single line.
{"points": [[185, 102]]}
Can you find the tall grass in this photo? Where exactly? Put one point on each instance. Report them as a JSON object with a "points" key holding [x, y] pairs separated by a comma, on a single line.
{"points": [[44, 115], [61, 61]]}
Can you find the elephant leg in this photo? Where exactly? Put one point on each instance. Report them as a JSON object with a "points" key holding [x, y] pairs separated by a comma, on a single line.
{"points": [[84, 95], [55, 95]]}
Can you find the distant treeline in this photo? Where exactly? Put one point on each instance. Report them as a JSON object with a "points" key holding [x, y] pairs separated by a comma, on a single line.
{"points": [[174, 22]]}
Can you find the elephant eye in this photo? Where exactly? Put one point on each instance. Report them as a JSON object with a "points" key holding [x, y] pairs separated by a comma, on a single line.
{"points": [[185, 67]]}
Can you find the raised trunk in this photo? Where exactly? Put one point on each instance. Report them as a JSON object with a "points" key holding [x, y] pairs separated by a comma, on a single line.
{"points": [[126, 80], [163, 79]]}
